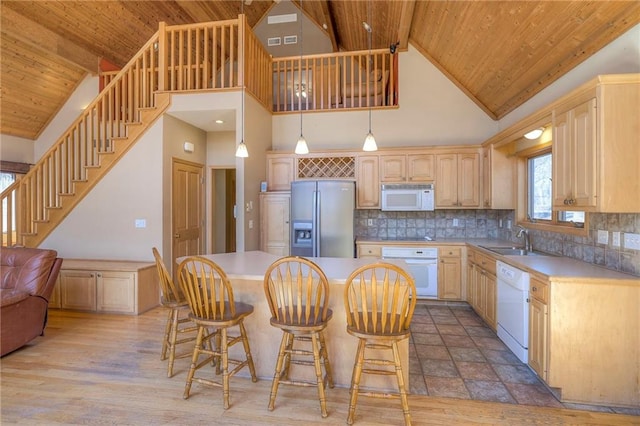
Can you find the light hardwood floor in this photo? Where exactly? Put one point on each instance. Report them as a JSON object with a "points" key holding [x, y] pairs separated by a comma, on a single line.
{"points": [[106, 369]]}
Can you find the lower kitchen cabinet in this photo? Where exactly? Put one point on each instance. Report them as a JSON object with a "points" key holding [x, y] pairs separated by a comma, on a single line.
{"points": [[274, 223], [538, 323], [107, 286], [482, 286], [450, 273], [584, 340], [369, 250]]}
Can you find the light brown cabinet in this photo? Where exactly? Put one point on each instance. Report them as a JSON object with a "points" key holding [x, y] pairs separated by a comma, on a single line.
{"points": [[583, 337], [457, 180], [482, 286], [538, 325], [280, 172], [574, 157], [108, 286], [369, 250], [274, 223], [411, 168], [450, 273], [498, 179], [367, 182], [596, 154]]}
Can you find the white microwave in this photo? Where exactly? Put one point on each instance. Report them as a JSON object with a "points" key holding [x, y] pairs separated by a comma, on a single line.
{"points": [[407, 197]]}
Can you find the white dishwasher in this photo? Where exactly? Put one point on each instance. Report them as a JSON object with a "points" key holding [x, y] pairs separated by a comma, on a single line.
{"points": [[513, 309]]}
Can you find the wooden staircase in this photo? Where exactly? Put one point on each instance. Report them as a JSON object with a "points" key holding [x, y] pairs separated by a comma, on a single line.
{"points": [[181, 58]]}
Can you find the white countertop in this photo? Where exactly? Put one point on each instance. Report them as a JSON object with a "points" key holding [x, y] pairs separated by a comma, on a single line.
{"points": [[253, 264]]}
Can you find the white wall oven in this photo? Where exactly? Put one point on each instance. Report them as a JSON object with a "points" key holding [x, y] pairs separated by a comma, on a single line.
{"points": [[422, 263]]}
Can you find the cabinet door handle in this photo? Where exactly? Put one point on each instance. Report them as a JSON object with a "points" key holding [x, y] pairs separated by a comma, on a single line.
{"points": [[176, 235], [534, 288], [99, 275]]}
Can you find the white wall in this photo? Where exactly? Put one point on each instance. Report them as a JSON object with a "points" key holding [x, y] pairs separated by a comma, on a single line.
{"points": [[13, 148], [84, 94], [102, 224]]}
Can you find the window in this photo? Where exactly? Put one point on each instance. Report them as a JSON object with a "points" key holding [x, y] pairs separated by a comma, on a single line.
{"points": [[539, 194]]}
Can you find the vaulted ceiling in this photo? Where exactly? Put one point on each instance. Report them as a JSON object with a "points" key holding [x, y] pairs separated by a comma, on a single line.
{"points": [[499, 53]]}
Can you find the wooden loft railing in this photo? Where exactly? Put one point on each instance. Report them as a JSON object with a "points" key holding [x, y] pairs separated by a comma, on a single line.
{"points": [[183, 58], [335, 81], [212, 56]]}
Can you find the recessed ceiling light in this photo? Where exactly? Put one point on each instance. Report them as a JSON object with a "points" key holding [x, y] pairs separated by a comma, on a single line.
{"points": [[219, 121]]}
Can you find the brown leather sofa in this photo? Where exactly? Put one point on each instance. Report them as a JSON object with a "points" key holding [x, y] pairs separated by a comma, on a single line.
{"points": [[27, 279]]}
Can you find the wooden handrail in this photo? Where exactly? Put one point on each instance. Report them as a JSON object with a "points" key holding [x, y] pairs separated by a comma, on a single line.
{"points": [[220, 55]]}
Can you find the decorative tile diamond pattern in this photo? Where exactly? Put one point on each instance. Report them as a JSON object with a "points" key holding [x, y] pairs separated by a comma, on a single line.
{"points": [[327, 167]]}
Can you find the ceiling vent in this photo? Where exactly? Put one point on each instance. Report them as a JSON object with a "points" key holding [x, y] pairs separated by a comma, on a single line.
{"points": [[281, 19], [291, 39], [273, 41]]}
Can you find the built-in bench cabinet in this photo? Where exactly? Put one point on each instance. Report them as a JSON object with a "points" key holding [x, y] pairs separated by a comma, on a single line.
{"points": [[122, 287]]}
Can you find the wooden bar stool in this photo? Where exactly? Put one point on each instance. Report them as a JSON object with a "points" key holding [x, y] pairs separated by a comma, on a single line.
{"points": [[210, 296], [298, 294], [379, 301], [174, 301]]}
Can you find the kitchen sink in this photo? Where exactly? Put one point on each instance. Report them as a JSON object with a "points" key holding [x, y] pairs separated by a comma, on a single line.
{"points": [[513, 251]]}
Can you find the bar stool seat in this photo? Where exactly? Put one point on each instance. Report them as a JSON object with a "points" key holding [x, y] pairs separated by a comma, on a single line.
{"points": [[210, 296], [379, 302], [297, 291]]}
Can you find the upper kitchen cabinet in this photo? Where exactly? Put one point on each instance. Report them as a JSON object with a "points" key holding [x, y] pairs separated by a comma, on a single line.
{"points": [[498, 183], [596, 149], [280, 172], [457, 183], [367, 182], [400, 168]]}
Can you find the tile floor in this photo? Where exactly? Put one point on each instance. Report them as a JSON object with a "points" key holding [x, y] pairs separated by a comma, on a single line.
{"points": [[453, 353]]}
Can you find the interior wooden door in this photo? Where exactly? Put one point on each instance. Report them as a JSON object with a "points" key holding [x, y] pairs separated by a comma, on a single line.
{"points": [[187, 209]]}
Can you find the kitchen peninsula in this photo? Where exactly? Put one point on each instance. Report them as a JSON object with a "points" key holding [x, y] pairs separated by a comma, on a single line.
{"points": [[246, 273]]}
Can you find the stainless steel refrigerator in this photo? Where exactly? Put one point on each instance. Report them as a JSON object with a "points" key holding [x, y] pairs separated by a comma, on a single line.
{"points": [[322, 218]]}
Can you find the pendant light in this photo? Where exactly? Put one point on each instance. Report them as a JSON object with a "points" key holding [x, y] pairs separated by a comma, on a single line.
{"points": [[369, 140], [242, 151], [301, 145]]}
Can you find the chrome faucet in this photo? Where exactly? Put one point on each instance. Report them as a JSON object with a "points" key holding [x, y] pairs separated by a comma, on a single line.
{"points": [[524, 232]]}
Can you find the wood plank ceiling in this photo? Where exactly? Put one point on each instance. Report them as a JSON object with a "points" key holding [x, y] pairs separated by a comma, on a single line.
{"points": [[500, 53]]}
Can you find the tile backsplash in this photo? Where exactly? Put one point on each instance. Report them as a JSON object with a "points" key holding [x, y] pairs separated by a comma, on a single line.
{"points": [[487, 224]]}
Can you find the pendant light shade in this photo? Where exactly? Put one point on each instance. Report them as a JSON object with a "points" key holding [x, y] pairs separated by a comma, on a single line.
{"points": [[369, 140], [370, 143], [301, 146], [242, 151]]}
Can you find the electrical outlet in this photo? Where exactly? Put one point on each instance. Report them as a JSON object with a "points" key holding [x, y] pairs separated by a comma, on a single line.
{"points": [[250, 224], [499, 223], [369, 222], [615, 239], [455, 222], [603, 237], [140, 223], [508, 223], [632, 241]]}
